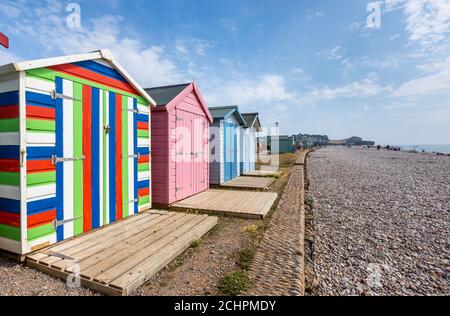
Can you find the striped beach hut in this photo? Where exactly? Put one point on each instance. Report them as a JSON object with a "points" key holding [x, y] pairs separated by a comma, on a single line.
{"points": [[180, 143], [225, 144], [249, 142], [74, 148]]}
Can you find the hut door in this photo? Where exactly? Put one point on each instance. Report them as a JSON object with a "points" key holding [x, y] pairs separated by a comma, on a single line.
{"points": [[230, 151], [96, 158], [183, 148]]}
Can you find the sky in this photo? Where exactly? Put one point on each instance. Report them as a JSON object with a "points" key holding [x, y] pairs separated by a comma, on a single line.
{"points": [[314, 66]]}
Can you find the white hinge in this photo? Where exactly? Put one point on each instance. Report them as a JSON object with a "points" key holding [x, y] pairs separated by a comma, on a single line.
{"points": [[134, 201], [138, 155], [56, 160], [56, 224], [22, 157], [179, 118], [55, 95], [178, 189], [134, 111]]}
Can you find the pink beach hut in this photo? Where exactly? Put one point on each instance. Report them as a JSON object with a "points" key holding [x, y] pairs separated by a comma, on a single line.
{"points": [[180, 143]]}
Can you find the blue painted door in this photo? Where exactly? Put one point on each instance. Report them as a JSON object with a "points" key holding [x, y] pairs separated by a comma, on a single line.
{"points": [[230, 151]]}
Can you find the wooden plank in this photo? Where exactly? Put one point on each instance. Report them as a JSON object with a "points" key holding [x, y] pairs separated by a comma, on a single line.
{"points": [[64, 275], [114, 250], [96, 233], [113, 273], [91, 270], [245, 204], [105, 244], [104, 240], [155, 241], [140, 274]]}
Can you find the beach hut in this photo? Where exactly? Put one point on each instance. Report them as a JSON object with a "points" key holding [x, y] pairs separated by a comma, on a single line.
{"points": [[74, 148], [225, 144], [249, 142], [180, 143], [280, 144]]}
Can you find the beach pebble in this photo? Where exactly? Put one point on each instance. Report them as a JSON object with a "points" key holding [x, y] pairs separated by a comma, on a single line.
{"points": [[381, 222]]}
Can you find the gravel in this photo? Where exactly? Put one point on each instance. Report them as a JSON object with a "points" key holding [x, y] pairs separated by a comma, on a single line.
{"points": [[19, 280], [197, 271], [382, 222]]}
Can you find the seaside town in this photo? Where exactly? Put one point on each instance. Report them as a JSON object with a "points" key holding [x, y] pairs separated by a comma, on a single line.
{"points": [[124, 174]]}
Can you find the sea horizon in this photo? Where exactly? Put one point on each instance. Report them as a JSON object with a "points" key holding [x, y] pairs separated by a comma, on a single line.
{"points": [[430, 148]]}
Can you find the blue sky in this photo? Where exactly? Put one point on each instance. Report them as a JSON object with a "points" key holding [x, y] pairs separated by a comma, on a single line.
{"points": [[313, 66]]}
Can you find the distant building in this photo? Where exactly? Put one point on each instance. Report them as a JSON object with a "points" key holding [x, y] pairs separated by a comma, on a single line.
{"points": [[280, 144]]}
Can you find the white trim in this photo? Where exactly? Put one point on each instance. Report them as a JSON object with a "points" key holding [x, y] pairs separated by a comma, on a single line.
{"points": [[131, 132], [68, 167], [47, 62], [41, 63], [106, 54], [100, 145]]}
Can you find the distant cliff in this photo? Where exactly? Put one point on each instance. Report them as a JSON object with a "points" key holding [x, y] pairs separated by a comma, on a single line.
{"points": [[323, 140]]}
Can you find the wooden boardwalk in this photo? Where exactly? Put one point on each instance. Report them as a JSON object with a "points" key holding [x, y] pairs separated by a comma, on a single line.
{"points": [[263, 173], [254, 183], [236, 203], [119, 258]]}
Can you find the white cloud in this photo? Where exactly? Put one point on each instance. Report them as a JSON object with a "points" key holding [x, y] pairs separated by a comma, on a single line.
{"points": [[7, 57], [428, 21], [437, 81], [267, 89], [281, 107], [336, 53], [148, 64], [298, 71], [311, 15], [11, 10], [367, 87], [188, 45], [381, 63], [229, 24]]}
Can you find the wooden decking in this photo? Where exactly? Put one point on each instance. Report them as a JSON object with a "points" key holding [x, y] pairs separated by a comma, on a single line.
{"points": [[119, 258], [254, 183], [263, 173], [236, 203]]}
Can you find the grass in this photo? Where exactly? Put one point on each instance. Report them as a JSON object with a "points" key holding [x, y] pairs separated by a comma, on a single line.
{"points": [[238, 281], [196, 243], [246, 256], [251, 229], [234, 283], [309, 201]]}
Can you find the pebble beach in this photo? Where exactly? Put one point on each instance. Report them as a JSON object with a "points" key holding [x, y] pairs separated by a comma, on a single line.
{"points": [[381, 222]]}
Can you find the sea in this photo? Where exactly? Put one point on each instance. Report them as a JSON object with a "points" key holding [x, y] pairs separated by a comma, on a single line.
{"points": [[443, 149]]}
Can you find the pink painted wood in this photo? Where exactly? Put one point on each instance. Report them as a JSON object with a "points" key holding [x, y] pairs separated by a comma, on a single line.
{"points": [[180, 147]]}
